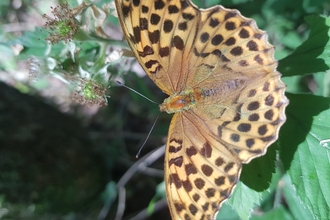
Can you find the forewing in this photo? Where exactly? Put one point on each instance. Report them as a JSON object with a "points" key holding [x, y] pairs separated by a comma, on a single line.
{"points": [[228, 46], [182, 47], [161, 35]]}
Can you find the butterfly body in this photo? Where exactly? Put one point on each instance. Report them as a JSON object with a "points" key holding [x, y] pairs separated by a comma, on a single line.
{"points": [[220, 74], [181, 102]]}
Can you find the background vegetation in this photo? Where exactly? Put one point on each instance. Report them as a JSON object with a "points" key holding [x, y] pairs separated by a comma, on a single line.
{"points": [[69, 134]]}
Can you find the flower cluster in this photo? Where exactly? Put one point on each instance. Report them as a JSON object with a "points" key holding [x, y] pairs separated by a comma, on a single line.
{"points": [[89, 93], [63, 26], [73, 25]]}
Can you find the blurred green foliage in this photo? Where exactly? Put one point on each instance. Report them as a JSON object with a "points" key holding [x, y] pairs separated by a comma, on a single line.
{"points": [[71, 158]]}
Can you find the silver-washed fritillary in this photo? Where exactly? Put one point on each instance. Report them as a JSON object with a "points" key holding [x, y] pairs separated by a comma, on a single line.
{"points": [[226, 95]]}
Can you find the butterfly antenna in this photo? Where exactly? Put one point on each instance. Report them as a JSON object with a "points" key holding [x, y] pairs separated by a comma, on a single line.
{"points": [[145, 141], [122, 84]]}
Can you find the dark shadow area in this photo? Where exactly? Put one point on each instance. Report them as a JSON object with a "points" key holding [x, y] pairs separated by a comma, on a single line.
{"points": [[257, 174], [46, 156], [299, 114]]}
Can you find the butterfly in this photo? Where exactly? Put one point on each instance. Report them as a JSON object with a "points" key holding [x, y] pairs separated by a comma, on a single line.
{"points": [[227, 97]]}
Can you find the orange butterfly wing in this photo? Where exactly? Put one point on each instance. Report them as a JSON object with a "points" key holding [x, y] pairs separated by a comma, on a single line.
{"points": [[228, 99]]}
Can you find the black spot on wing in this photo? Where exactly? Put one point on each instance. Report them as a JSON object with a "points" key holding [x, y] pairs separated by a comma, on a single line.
{"points": [[154, 19], [172, 9], [177, 42], [145, 9], [147, 50], [230, 26], [230, 14], [164, 51], [168, 26], [136, 3], [159, 4], [143, 24], [154, 36]]}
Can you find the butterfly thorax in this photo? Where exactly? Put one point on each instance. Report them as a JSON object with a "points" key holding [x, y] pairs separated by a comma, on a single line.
{"points": [[182, 101]]}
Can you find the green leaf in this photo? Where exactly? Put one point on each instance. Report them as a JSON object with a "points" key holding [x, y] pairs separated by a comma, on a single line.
{"points": [[301, 117], [310, 168], [227, 212], [160, 194], [312, 5], [296, 84], [323, 83], [35, 45], [291, 40], [293, 202], [161, 190], [306, 157], [313, 55], [244, 199], [278, 213], [258, 173], [7, 58]]}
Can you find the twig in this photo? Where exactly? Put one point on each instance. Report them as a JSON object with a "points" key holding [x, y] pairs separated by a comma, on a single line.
{"points": [[121, 203], [139, 166]]}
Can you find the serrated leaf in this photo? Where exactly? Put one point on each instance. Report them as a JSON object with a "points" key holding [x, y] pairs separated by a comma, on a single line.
{"points": [[313, 55], [308, 120], [278, 213], [301, 111], [258, 173], [310, 169], [293, 202], [243, 200]]}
